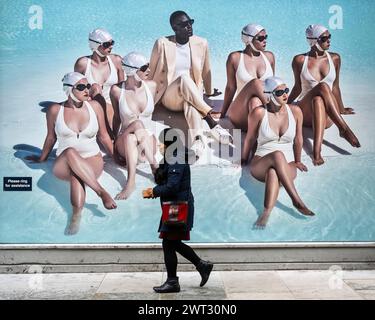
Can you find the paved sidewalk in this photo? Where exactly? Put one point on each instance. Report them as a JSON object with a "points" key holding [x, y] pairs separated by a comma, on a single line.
{"points": [[241, 285]]}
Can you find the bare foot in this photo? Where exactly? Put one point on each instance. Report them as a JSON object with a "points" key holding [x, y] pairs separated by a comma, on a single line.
{"points": [[125, 194], [73, 227], [349, 136], [262, 220], [347, 111], [303, 209], [108, 202], [318, 160]]}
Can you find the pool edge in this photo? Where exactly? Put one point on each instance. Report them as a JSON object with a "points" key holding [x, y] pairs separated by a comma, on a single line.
{"points": [[148, 257]]}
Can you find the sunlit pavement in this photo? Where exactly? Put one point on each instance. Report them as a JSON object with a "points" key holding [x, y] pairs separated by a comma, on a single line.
{"points": [[238, 285]]}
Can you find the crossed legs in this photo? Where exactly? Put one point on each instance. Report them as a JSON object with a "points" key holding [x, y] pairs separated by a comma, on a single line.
{"points": [[184, 95], [250, 97], [320, 111], [70, 166], [133, 144], [274, 170]]}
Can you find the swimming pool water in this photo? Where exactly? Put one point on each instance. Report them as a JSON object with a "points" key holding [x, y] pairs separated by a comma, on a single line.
{"points": [[227, 203]]}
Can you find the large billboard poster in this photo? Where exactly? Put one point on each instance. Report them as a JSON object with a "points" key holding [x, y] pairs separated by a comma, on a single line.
{"points": [[274, 165]]}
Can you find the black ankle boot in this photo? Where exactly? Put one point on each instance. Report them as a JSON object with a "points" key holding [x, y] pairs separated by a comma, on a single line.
{"points": [[204, 268], [171, 285]]}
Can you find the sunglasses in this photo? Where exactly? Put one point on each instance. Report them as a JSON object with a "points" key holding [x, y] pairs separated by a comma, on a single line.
{"points": [[184, 24], [261, 38], [106, 44], [279, 93], [79, 87], [325, 38], [143, 68]]}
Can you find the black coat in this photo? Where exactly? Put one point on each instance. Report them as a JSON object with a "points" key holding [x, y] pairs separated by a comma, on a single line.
{"points": [[176, 186]]}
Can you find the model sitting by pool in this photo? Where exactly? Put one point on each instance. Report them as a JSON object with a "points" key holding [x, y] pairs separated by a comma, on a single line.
{"points": [[278, 130], [75, 125], [246, 71], [102, 70], [133, 103], [317, 90]]}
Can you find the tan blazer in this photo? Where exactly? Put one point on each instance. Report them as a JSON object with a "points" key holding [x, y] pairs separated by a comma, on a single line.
{"points": [[163, 63]]}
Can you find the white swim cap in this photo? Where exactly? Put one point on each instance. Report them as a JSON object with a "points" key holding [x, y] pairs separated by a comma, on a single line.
{"points": [[132, 62], [69, 80], [270, 84], [249, 32], [313, 32], [96, 38]]}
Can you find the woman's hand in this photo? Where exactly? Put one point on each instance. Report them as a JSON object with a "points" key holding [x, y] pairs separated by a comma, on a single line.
{"points": [[34, 159], [148, 193], [301, 166], [95, 89], [216, 115]]}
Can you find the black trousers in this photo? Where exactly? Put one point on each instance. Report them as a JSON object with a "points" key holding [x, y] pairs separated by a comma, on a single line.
{"points": [[170, 247]]}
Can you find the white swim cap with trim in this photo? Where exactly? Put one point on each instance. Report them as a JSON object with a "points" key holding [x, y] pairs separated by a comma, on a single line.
{"points": [[69, 80], [96, 38], [313, 32], [132, 62], [249, 32], [270, 84]]}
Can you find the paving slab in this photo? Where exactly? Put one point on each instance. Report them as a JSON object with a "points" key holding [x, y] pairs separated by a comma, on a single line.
{"points": [[317, 285]]}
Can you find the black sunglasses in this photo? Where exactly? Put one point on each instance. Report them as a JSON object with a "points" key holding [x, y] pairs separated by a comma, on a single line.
{"points": [[279, 93], [80, 86], [261, 38], [143, 68], [325, 38], [322, 38], [184, 24], [106, 44]]}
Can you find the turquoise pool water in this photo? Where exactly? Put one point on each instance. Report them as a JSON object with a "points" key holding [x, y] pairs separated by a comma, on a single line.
{"points": [[227, 201], [32, 63]]}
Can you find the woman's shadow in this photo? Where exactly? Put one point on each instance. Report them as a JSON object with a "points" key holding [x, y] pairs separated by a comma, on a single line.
{"points": [[254, 191], [308, 137], [49, 183]]}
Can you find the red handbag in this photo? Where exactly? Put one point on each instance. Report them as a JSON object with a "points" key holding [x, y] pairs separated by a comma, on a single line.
{"points": [[175, 214]]}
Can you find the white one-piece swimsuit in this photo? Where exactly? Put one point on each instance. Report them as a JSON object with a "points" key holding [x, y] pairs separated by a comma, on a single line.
{"points": [[308, 81], [112, 79], [269, 141], [84, 142], [128, 116], [243, 77]]}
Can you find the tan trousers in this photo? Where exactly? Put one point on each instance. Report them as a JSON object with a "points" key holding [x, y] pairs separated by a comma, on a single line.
{"points": [[184, 95]]}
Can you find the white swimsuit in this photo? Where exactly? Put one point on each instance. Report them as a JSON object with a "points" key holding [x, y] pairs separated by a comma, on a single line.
{"points": [[128, 116], [112, 79], [269, 141], [243, 77], [308, 81], [84, 142]]}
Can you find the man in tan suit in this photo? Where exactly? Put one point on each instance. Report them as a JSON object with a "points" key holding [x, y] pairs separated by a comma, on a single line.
{"points": [[180, 66]]}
